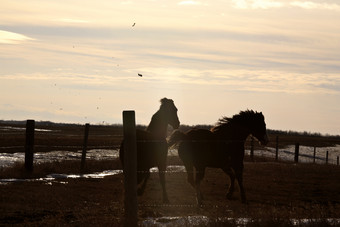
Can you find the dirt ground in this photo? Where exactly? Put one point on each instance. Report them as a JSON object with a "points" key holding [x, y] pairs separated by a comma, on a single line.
{"points": [[275, 191]]}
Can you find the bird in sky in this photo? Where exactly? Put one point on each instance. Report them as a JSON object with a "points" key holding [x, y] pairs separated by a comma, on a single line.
{"points": [[133, 24], [140, 75]]}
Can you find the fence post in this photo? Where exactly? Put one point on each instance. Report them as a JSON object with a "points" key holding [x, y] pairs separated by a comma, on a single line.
{"points": [[296, 157], [83, 155], [326, 157], [314, 154], [130, 168], [277, 149], [252, 149], [29, 145]]}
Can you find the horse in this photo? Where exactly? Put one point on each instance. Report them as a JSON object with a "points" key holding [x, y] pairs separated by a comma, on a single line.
{"points": [[220, 147], [152, 148]]}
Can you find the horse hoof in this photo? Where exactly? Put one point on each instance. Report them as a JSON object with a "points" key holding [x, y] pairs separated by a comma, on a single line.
{"points": [[166, 201], [199, 201], [229, 196], [192, 183], [140, 192]]}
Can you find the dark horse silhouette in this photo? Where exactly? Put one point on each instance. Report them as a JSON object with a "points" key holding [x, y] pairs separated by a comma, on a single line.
{"points": [[220, 147], [152, 147]]}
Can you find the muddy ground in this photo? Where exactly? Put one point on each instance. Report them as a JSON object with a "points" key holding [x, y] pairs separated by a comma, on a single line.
{"points": [[276, 192]]}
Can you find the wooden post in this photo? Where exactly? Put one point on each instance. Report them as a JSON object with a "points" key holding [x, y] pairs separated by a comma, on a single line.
{"points": [[314, 154], [252, 149], [277, 149], [29, 145], [326, 157], [296, 157], [83, 155], [130, 168]]}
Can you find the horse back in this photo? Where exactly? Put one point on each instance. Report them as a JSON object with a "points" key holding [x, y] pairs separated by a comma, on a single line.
{"points": [[199, 134], [203, 148]]}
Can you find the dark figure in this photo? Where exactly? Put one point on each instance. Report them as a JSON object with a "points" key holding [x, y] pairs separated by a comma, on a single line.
{"points": [[152, 147], [221, 147]]}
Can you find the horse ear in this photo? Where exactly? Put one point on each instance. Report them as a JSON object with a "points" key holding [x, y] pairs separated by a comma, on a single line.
{"points": [[166, 100], [163, 100]]}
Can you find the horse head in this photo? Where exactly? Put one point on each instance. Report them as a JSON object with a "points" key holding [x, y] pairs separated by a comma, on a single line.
{"points": [[258, 128], [170, 112]]}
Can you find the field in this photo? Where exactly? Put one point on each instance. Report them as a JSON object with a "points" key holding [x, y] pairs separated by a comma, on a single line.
{"points": [[279, 193]]}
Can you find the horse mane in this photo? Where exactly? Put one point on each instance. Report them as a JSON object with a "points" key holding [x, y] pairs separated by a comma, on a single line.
{"points": [[242, 118], [166, 102]]}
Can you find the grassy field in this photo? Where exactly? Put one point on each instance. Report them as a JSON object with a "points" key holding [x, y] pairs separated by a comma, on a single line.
{"points": [[277, 192]]}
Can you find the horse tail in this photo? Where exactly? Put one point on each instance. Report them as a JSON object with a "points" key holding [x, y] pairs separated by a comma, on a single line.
{"points": [[175, 138]]}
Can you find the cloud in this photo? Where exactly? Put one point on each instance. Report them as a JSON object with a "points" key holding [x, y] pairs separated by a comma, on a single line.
{"points": [[267, 81], [267, 4], [12, 38], [189, 3], [72, 21], [126, 2], [256, 4], [314, 5]]}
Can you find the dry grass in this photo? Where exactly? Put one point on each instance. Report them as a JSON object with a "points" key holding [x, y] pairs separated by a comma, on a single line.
{"points": [[277, 193]]}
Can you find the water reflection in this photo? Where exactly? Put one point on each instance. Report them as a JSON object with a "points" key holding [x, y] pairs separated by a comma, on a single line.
{"points": [[57, 176], [8, 159], [226, 221]]}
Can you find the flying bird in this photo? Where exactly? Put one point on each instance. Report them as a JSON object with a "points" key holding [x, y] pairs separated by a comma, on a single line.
{"points": [[140, 75], [133, 24]]}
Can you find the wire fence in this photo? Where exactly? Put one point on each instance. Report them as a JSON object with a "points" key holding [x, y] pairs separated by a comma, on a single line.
{"points": [[51, 140]]}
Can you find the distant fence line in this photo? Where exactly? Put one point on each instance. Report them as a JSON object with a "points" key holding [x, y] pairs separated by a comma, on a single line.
{"points": [[30, 133]]}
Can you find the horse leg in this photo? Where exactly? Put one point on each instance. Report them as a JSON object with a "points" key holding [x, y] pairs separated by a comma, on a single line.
{"points": [[161, 170], [190, 172], [199, 176], [143, 176], [239, 177], [184, 154], [231, 175]]}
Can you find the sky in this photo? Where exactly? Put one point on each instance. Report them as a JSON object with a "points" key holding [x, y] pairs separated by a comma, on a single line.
{"points": [[78, 61]]}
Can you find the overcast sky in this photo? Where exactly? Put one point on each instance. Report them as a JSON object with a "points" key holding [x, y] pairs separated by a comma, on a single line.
{"points": [[78, 61]]}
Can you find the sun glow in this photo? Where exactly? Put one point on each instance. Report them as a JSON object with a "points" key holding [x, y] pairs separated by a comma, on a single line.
{"points": [[213, 58]]}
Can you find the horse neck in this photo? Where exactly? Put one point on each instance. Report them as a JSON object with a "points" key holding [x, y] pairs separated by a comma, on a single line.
{"points": [[158, 125]]}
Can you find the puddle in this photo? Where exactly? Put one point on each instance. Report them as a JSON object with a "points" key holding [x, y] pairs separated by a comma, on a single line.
{"points": [[206, 221], [170, 169], [90, 175], [8, 159], [58, 176], [11, 128], [177, 221]]}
